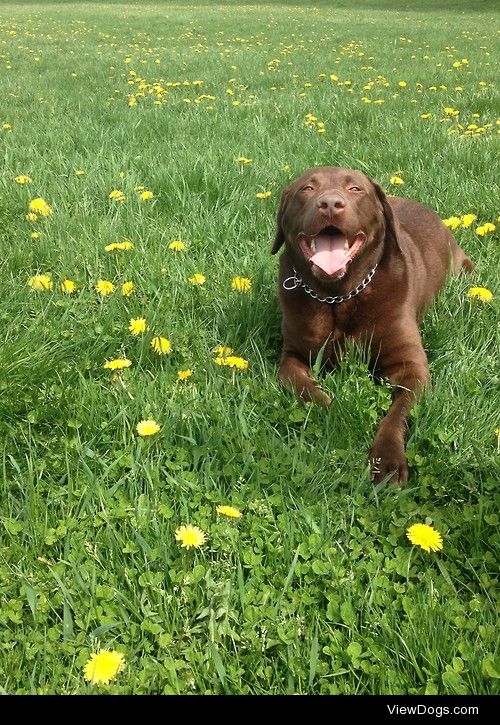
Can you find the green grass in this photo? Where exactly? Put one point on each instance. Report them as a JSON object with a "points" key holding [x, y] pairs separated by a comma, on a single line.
{"points": [[316, 589]]}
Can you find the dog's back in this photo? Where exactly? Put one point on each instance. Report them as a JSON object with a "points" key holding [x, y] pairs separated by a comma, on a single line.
{"points": [[430, 247]]}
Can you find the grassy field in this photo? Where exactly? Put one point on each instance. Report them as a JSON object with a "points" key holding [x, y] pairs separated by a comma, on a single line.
{"points": [[315, 588]]}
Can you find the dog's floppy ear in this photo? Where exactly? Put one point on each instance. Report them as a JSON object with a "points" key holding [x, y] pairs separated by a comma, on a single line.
{"points": [[280, 235], [390, 227]]}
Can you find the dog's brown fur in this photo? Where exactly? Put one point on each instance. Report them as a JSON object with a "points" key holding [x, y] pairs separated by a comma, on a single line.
{"points": [[414, 251]]}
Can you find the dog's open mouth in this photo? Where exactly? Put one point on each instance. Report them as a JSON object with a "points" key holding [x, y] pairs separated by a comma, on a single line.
{"points": [[330, 249]]}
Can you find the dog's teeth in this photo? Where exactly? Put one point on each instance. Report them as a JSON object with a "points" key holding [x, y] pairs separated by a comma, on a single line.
{"points": [[346, 246], [313, 246]]}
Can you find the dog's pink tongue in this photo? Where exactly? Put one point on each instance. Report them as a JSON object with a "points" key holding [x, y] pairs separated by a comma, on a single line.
{"points": [[330, 255]]}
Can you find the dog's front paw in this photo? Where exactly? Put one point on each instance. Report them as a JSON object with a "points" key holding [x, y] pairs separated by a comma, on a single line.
{"points": [[312, 393], [388, 462], [320, 397]]}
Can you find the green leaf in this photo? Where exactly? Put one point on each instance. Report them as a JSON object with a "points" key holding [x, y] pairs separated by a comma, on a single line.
{"points": [[99, 631], [320, 567], [317, 364], [31, 599], [219, 665], [490, 668], [297, 415], [445, 574], [290, 572], [13, 527], [67, 622], [354, 650], [347, 614], [454, 683], [313, 658]]}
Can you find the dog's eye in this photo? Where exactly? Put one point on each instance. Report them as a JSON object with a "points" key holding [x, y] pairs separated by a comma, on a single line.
{"points": [[355, 188], [307, 187]]}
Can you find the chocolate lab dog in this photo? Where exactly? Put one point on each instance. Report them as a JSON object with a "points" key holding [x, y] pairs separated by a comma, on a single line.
{"points": [[361, 265]]}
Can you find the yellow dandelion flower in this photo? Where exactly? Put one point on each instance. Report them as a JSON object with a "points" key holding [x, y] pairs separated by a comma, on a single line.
{"points": [[79, 172], [116, 195], [118, 364], [184, 374], [31, 217], [230, 511], [105, 287], [22, 179], [128, 288], [7, 126], [119, 246], [243, 160], [485, 229], [221, 350], [137, 326], [35, 235], [146, 195], [147, 427], [241, 284], [161, 345], [190, 536], [197, 279], [425, 115], [425, 536], [263, 194], [103, 666], [402, 84], [480, 293], [468, 219], [453, 222], [396, 180], [177, 246], [40, 206], [40, 282], [232, 361], [237, 362], [68, 286]]}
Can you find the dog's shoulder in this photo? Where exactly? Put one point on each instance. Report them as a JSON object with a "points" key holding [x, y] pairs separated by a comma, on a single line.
{"points": [[420, 225], [409, 212]]}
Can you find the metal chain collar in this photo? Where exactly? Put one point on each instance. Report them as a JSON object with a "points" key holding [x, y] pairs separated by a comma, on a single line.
{"points": [[294, 282]]}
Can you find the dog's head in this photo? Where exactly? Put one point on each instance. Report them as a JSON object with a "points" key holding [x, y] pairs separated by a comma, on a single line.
{"points": [[331, 217]]}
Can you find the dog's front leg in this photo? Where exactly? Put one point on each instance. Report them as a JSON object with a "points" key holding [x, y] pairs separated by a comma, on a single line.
{"points": [[404, 365], [296, 374]]}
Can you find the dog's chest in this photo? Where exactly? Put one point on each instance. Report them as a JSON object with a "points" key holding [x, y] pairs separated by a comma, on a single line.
{"points": [[328, 329]]}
